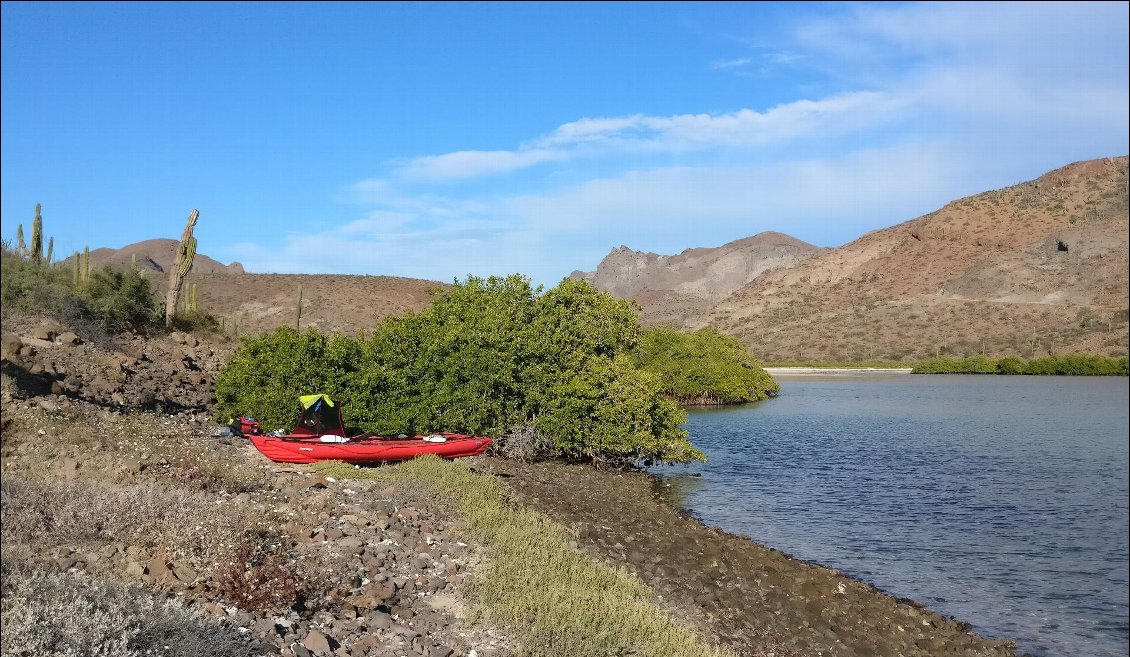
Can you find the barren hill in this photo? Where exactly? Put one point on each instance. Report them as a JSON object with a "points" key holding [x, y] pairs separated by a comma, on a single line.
{"points": [[1035, 268], [674, 289], [158, 256], [250, 303]]}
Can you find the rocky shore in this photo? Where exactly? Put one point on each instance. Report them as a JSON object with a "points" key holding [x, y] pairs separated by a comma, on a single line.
{"points": [[111, 473]]}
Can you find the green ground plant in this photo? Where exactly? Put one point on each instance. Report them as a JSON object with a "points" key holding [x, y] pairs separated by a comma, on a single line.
{"points": [[558, 601]]}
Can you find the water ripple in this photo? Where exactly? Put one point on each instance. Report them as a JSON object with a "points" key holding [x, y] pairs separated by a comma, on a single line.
{"points": [[1002, 501]]}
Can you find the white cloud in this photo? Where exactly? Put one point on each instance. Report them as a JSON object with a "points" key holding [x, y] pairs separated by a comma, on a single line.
{"points": [[820, 200], [953, 99], [593, 137], [469, 164], [739, 62]]}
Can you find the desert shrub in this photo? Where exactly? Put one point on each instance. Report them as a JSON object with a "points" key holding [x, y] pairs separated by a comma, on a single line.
{"points": [[188, 524], [203, 470], [114, 300], [490, 356], [73, 615], [122, 300], [704, 367], [36, 287], [523, 443], [261, 580], [191, 321]]}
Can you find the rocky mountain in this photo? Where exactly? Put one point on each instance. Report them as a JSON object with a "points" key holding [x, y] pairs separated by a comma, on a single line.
{"points": [[1035, 268], [674, 289]]}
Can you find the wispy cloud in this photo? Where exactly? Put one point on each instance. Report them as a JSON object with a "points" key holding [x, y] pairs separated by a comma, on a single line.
{"points": [[592, 137], [723, 64], [931, 102], [469, 164]]}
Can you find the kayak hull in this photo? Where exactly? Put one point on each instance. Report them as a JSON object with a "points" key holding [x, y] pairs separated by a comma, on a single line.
{"points": [[370, 449]]}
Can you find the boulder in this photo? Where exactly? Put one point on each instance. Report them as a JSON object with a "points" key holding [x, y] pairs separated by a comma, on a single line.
{"points": [[69, 338], [317, 642]]}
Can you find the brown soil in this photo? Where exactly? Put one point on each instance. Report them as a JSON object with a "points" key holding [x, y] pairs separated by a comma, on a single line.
{"points": [[755, 600], [253, 303]]}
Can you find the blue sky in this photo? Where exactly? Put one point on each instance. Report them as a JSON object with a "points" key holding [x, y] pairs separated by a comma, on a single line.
{"points": [[437, 140]]}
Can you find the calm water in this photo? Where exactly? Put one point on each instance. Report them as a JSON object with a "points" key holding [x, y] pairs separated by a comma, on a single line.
{"points": [[1000, 501]]}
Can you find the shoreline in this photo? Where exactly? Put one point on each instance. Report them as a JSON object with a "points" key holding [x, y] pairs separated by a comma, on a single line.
{"points": [[754, 598], [836, 371]]}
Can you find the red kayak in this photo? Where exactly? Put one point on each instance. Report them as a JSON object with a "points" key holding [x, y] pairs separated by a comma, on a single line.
{"points": [[304, 448], [319, 435]]}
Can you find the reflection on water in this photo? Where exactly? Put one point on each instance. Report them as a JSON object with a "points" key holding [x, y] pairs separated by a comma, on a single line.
{"points": [[1002, 501]]}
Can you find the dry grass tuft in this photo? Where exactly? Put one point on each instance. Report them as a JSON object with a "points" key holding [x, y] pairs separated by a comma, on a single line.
{"points": [[559, 601], [73, 615]]}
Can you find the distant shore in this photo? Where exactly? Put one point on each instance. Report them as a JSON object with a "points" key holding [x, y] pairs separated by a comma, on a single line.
{"points": [[835, 371]]}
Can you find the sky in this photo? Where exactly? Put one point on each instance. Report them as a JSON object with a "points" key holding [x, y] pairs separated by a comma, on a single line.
{"points": [[441, 141]]}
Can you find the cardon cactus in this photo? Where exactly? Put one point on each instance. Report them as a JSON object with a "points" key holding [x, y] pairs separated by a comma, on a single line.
{"points": [[186, 250], [298, 311], [37, 236]]}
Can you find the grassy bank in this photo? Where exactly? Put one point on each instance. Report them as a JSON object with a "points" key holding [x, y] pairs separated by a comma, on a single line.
{"points": [[558, 601], [1073, 364], [829, 364]]}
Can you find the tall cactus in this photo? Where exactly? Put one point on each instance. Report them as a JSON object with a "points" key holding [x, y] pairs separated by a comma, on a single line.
{"points": [[51, 250], [78, 268], [37, 236], [298, 311], [21, 245], [85, 270], [190, 302], [186, 250]]}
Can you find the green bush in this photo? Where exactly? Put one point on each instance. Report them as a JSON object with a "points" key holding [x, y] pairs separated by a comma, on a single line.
{"points": [[704, 367], [1075, 364], [1010, 365], [115, 300], [1078, 364], [490, 356], [122, 300], [38, 288], [949, 365]]}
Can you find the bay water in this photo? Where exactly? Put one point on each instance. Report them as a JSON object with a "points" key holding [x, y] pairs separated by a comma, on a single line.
{"points": [[1001, 501]]}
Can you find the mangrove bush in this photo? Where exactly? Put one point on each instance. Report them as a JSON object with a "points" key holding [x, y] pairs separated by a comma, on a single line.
{"points": [[490, 356], [1070, 364], [704, 367]]}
